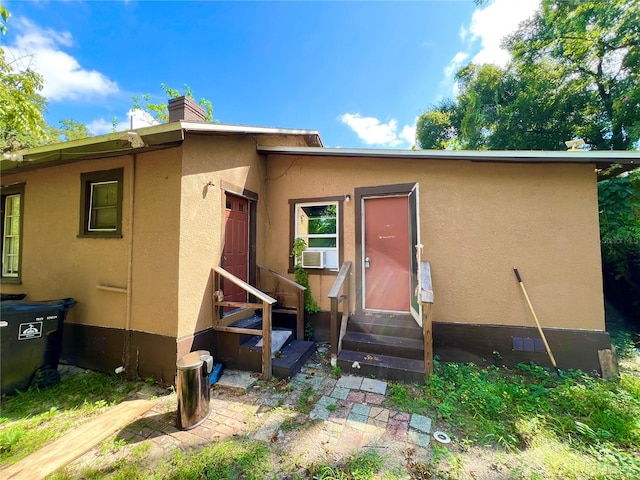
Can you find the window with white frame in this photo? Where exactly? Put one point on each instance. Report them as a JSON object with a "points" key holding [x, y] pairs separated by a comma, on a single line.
{"points": [[101, 205], [11, 231], [317, 224]]}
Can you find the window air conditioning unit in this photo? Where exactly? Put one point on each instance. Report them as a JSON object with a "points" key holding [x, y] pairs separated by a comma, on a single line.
{"points": [[311, 259]]}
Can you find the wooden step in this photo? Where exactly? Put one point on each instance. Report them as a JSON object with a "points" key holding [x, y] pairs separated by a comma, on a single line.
{"points": [[395, 325], [381, 366], [279, 338], [291, 359], [384, 344]]}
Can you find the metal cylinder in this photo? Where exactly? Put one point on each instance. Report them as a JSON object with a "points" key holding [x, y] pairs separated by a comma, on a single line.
{"points": [[192, 388]]}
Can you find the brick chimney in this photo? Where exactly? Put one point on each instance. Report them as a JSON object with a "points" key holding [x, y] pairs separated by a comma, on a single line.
{"points": [[185, 108]]}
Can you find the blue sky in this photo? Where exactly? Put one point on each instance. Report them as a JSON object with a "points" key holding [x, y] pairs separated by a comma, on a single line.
{"points": [[358, 72]]}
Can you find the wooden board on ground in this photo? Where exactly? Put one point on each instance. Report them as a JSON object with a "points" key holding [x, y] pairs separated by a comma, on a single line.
{"points": [[77, 442]]}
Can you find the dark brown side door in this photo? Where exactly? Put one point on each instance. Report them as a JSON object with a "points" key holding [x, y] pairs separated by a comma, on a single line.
{"points": [[235, 257]]}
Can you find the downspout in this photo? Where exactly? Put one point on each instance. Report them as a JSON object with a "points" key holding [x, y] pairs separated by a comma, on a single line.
{"points": [[127, 326]]}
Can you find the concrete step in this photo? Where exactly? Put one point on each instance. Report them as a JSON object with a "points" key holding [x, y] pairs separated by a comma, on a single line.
{"points": [[384, 344], [381, 366]]}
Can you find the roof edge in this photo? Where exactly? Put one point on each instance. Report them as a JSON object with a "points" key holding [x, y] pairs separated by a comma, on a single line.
{"points": [[508, 156]]}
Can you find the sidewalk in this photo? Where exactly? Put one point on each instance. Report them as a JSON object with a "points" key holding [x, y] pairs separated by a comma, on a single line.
{"points": [[346, 415]]}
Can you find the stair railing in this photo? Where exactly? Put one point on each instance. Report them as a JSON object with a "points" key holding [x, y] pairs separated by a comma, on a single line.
{"points": [[341, 284], [222, 323], [426, 298], [295, 290]]}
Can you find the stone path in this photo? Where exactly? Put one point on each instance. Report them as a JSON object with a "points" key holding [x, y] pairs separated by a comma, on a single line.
{"points": [[346, 415]]}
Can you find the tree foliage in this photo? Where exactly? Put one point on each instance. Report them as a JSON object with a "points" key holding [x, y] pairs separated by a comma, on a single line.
{"points": [[575, 73], [619, 204], [160, 111], [22, 108]]}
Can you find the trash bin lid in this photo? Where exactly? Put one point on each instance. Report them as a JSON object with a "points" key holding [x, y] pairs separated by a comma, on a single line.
{"points": [[22, 306], [190, 361]]}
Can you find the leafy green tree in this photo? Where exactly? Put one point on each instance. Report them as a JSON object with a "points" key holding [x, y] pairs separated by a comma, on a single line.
{"points": [[22, 107], [597, 44], [160, 111], [619, 204], [4, 16], [575, 73], [68, 131]]}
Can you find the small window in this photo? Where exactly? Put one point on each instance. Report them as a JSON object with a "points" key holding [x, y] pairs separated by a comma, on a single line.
{"points": [[101, 209], [11, 231], [317, 224]]}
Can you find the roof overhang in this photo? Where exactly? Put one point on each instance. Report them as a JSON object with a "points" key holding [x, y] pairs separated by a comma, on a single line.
{"points": [[146, 139], [619, 161]]}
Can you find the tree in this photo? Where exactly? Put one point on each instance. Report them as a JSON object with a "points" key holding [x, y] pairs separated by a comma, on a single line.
{"points": [[160, 111], [22, 107], [598, 44], [575, 73]]}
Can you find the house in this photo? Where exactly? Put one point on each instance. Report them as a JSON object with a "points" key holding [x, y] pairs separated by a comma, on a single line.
{"points": [[161, 232]]}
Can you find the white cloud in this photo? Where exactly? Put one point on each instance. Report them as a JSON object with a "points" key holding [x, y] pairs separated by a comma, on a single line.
{"points": [[372, 132], [140, 118], [488, 27], [408, 133], [64, 77], [456, 62], [492, 23]]}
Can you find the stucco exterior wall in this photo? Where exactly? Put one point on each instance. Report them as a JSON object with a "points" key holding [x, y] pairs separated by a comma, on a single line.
{"points": [[225, 161], [156, 240], [477, 221], [57, 263]]}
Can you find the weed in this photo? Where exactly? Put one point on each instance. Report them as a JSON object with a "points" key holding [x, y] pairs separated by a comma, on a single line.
{"points": [[360, 466], [332, 407], [308, 331], [306, 400], [289, 424], [112, 445], [230, 459], [336, 372]]}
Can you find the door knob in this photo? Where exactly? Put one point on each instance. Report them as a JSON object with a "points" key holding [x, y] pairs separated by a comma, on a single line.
{"points": [[367, 262]]}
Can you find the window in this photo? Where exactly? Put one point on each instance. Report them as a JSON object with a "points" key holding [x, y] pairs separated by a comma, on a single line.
{"points": [[101, 208], [318, 224], [11, 231]]}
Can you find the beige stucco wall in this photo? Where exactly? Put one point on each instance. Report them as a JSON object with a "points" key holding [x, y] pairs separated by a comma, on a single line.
{"points": [[56, 263], [477, 221], [223, 161], [156, 227]]}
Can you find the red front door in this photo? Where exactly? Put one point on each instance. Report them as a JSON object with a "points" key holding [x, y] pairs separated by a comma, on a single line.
{"points": [[236, 246], [387, 254]]}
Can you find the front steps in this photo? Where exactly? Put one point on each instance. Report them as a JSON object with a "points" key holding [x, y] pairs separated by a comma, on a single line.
{"points": [[382, 345], [244, 352]]}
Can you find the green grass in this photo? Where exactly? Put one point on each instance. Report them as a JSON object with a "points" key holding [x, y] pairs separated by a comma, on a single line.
{"points": [[32, 419], [360, 466], [227, 460], [530, 409], [307, 400]]}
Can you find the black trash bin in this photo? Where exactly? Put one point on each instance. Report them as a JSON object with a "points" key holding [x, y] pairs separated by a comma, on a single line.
{"points": [[192, 388], [31, 341]]}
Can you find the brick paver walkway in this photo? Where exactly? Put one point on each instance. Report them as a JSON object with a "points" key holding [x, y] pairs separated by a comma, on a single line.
{"points": [[349, 415]]}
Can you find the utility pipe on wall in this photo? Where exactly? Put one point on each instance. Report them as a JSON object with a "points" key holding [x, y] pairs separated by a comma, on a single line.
{"points": [[127, 326]]}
